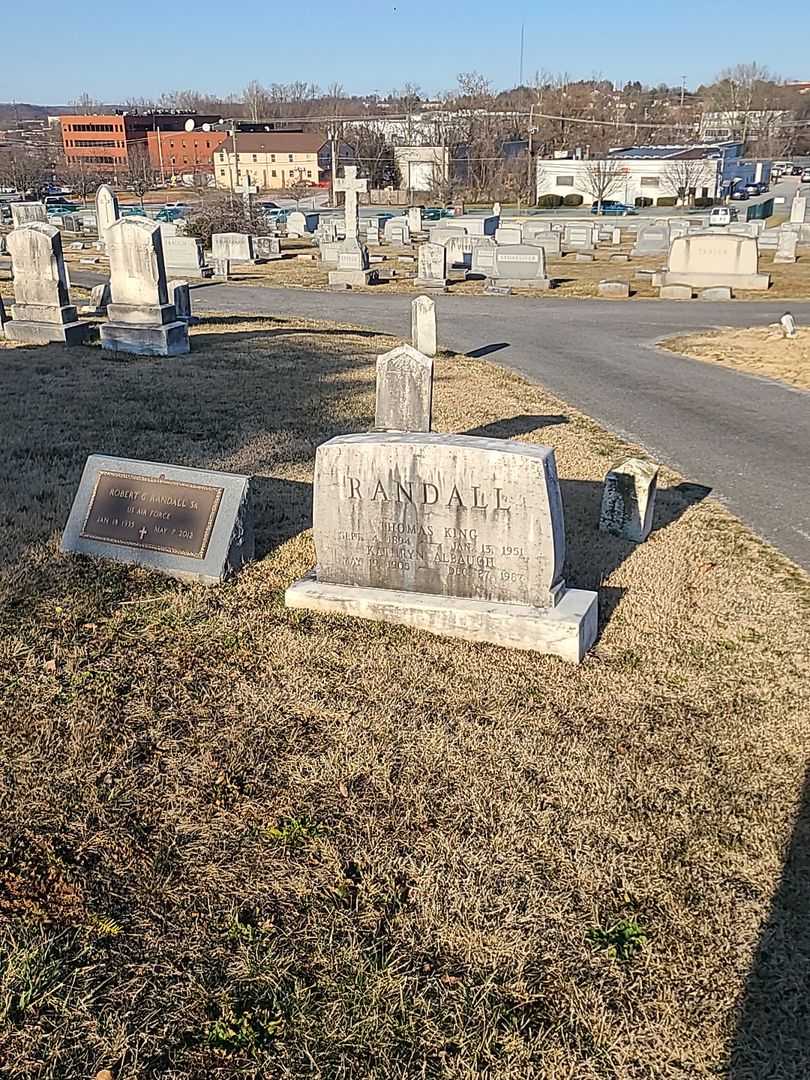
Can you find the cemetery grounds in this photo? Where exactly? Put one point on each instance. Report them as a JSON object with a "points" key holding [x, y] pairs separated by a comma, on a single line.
{"points": [[239, 840]]}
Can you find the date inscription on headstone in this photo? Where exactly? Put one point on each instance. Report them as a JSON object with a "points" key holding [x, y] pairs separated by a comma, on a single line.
{"points": [[152, 513]]}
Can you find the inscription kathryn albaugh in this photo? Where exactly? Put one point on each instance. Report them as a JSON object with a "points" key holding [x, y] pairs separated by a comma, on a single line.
{"points": [[152, 513]]}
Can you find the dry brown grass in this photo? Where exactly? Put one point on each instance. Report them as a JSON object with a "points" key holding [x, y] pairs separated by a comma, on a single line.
{"points": [[237, 840], [762, 350]]}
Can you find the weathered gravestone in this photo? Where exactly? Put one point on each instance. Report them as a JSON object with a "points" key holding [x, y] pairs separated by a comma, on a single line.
{"points": [[476, 226], [22, 213], [415, 218], [578, 238], [457, 535], [267, 248], [374, 227], [431, 267], [184, 255], [615, 289], [520, 266], [701, 259], [786, 248], [232, 248], [404, 390], [509, 234], [798, 209], [142, 320], [192, 524], [483, 261], [628, 500], [180, 295], [42, 311], [99, 300], [652, 240], [302, 224], [396, 231], [423, 326]]}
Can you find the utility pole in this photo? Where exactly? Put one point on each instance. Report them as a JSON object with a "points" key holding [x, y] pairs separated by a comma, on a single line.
{"points": [[333, 174], [683, 91], [522, 29], [531, 177]]}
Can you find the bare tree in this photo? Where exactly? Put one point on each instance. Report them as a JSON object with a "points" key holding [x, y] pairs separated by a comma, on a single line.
{"points": [[602, 178], [24, 170], [299, 187], [374, 154], [83, 177], [140, 176], [256, 100], [685, 175]]}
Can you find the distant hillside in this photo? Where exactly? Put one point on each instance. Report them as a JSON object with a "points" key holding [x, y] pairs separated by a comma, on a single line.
{"points": [[12, 113]]}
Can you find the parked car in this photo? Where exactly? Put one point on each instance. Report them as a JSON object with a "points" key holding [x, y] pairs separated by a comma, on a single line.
{"points": [[435, 213], [806, 176], [752, 189], [274, 213], [168, 214], [796, 170], [58, 204], [740, 194], [723, 215], [611, 206]]}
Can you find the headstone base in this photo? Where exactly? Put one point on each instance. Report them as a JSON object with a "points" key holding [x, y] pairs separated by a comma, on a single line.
{"points": [[567, 630], [431, 284], [142, 314], [754, 282], [168, 340], [716, 292], [42, 333], [543, 284], [347, 279], [189, 271]]}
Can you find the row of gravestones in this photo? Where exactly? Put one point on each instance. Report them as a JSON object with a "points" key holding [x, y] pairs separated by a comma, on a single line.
{"points": [[458, 535], [141, 317]]}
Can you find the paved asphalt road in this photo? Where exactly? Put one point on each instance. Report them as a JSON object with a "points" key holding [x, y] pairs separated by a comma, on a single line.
{"points": [[745, 437]]}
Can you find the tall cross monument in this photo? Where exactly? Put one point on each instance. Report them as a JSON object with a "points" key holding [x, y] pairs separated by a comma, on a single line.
{"points": [[351, 186]]}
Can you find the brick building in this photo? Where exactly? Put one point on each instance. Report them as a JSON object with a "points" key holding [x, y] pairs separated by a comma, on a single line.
{"points": [[110, 141]]}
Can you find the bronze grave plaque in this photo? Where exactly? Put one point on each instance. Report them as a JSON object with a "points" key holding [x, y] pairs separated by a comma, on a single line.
{"points": [[152, 513]]}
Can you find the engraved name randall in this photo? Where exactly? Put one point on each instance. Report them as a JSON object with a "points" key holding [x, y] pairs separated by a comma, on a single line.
{"points": [[423, 493]]}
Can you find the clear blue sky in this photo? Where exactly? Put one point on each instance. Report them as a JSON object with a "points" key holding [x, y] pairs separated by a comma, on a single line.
{"points": [[119, 49]]}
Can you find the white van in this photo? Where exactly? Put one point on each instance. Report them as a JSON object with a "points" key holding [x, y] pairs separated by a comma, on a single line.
{"points": [[723, 215]]}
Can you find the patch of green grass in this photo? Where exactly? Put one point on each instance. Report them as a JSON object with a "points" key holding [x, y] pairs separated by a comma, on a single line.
{"points": [[621, 941]]}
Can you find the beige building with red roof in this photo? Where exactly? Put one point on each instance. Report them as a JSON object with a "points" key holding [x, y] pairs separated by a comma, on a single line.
{"points": [[271, 160]]}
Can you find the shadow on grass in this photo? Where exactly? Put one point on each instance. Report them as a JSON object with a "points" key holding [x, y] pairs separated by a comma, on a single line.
{"points": [[591, 555], [773, 1027], [515, 426], [282, 508]]}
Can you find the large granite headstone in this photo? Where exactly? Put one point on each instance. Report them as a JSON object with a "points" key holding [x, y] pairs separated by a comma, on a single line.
{"points": [[404, 390], [141, 319], [578, 237], [42, 311], [520, 266], [652, 239], [267, 248], [454, 534], [702, 259], [193, 524]]}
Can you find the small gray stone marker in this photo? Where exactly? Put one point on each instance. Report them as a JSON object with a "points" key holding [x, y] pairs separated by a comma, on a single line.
{"points": [[628, 500], [404, 390], [423, 325], [788, 324], [786, 248], [675, 292], [617, 289], [715, 292], [193, 524], [453, 534]]}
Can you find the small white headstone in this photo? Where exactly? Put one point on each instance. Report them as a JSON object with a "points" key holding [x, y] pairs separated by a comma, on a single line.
{"points": [[788, 324], [404, 390], [423, 325]]}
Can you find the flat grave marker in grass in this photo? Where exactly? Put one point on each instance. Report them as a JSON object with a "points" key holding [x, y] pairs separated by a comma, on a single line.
{"points": [[455, 534], [192, 524]]}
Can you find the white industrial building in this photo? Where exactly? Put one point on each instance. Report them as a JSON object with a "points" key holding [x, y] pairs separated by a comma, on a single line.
{"points": [[638, 172]]}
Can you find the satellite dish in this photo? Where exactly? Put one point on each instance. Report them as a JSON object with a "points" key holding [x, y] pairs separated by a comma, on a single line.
{"points": [[206, 127], [190, 125]]}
